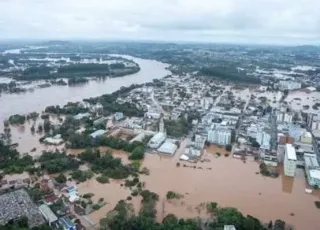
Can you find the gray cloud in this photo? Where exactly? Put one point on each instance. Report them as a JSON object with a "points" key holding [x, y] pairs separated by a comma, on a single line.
{"points": [[292, 21]]}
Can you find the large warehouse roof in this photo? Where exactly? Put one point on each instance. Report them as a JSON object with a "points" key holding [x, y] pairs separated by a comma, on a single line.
{"points": [[168, 148]]}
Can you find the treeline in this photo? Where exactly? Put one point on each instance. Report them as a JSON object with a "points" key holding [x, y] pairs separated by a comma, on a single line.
{"points": [[57, 162], [11, 162], [84, 68], [71, 108], [106, 165], [21, 223], [36, 72], [76, 71], [228, 74], [11, 87], [78, 141], [108, 101], [177, 128], [77, 81], [123, 217]]}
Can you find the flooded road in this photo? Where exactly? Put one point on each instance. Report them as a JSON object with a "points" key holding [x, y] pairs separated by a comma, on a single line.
{"points": [[225, 180], [60, 95]]}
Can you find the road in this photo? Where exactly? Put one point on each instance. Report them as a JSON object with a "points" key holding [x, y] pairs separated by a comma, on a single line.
{"points": [[156, 103], [182, 148]]}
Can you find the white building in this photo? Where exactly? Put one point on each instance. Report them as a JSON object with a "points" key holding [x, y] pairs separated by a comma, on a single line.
{"points": [[219, 136], [312, 169], [290, 160], [263, 138], [289, 85], [229, 227], [199, 141], [314, 122], [159, 138], [284, 117], [167, 148], [118, 116]]}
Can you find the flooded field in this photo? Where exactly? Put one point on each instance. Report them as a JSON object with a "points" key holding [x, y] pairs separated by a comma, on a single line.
{"points": [[225, 180], [27, 141]]}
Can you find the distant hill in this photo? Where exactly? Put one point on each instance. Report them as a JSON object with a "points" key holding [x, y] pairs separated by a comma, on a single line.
{"points": [[57, 42]]}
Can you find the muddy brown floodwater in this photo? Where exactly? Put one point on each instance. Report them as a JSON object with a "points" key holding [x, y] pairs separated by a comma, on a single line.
{"points": [[230, 183]]}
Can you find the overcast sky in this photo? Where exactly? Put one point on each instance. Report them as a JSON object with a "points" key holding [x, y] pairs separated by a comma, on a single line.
{"points": [[250, 21]]}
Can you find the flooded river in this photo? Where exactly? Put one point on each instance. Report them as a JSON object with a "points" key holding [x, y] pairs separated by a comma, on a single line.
{"points": [[59, 95], [224, 180]]}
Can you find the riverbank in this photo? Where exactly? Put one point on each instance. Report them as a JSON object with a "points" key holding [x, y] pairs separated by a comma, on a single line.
{"points": [[39, 99]]}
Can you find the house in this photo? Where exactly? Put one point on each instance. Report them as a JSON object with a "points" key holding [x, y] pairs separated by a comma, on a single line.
{"points": [[56, 140], [97, 133], [99, 121], [118, 116]]}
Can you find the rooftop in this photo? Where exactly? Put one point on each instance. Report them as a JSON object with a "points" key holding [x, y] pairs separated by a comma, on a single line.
{"points": [[46, 211], [311, 160], [315, 173], [167, 147], [97, 133], [291, 152], [158, 137]]}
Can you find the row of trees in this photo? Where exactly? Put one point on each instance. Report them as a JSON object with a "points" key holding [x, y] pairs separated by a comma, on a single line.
{"points": [[122, 217], [22, 224], [228, 74], [107, 165], [10, 161], [84, 140], [76, 71], [56, 162]]}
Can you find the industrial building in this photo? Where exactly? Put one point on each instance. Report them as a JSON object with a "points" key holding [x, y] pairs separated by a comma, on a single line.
{"points": [[312, 169], [290, 161], [167, 148], [157, 140], [48, 214]]}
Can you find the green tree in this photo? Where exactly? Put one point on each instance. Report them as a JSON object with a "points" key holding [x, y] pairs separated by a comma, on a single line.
{"points": [[61, 178], [137, 153]]}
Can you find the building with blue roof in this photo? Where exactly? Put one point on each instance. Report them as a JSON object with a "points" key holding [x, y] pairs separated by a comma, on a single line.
{"points": [[67, 224]]}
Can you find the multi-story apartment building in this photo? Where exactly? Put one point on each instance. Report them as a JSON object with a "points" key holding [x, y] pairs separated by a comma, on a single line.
{"points": [[290, 160]]}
